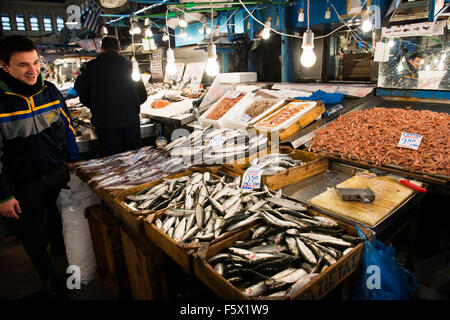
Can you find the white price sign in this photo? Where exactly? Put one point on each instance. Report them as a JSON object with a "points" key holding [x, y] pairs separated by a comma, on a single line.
{"points": [[251, 179], [410, 141]]}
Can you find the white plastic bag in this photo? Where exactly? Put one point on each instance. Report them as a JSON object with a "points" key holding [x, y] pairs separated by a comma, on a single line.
{"points": [[71, 204]]}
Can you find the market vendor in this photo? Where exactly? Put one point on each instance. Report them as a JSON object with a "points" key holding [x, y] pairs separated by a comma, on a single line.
{"points": [[106, 87], [409, 76], [37, 146]]}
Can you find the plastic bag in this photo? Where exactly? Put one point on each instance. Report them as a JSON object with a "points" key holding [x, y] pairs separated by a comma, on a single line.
{"points": [[77, 237], [383, 278]]}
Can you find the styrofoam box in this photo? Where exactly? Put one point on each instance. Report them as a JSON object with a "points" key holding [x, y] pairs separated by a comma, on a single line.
{"points": [[220, 123], [237, 77], [287, 123], [234, 121]]}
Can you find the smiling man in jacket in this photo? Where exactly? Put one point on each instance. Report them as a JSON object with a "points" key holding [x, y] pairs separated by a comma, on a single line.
{"points": [[37, 146], [114, 98]]}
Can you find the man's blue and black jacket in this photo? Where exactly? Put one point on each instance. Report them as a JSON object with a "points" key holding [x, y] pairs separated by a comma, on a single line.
{"points": [[36, 133]]}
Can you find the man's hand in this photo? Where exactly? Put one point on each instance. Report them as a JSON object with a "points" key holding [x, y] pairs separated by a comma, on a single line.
{"points": [[70, 165], [10, 209]]}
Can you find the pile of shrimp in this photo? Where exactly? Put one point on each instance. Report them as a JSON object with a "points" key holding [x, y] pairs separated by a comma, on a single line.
{"points": [[371, 136]]}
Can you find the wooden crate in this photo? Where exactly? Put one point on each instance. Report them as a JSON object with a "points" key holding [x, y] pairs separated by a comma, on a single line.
{"points": [[135, 220], [105, 233], [145, 263], [314, 164], [316, 289], [303, 122]]}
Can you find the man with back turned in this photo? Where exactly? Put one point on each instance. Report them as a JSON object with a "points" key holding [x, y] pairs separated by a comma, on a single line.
{"points": [[114, 98]]}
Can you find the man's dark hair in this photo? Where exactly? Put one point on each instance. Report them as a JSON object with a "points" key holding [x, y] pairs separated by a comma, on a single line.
{"points": [[13, 44], [110, 44], [415, 55]]}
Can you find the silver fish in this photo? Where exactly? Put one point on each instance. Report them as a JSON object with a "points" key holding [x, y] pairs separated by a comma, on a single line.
{"points": [[233, 209], [199, 216], [168, 224], [301, 283], [256, 289], [230, 201], [180, 230], [286, 203], [190, 233], [305, 252], [292, 245]]}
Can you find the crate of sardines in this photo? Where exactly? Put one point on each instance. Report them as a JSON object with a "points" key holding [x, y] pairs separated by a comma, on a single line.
{"points": [[290, 253], [134, 204], [283, 168], [210, 209]]}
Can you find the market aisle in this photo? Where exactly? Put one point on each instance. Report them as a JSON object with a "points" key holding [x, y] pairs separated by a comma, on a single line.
{"points": [[18, 280]]}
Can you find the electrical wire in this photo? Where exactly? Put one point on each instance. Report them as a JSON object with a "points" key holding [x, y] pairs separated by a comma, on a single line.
{"points": [[295, 36], [212, 21], [352, 32]]}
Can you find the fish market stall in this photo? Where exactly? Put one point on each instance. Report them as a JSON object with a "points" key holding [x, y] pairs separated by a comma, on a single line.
{"points": [[211, 212]]}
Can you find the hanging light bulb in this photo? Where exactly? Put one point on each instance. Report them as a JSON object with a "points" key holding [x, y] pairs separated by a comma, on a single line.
{"points": [[165, 37], [308, 58], [135, 75], [105, 31], [148, 29], [212, 68], [301, 15], [266, 31], [183, 33], [171, 69], [148, 32], [328, 14], [135, 29], [182, 21], [367, 24]]}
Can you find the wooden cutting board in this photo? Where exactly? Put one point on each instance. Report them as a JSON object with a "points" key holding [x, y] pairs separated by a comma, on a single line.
{"points": [[389, 195]]}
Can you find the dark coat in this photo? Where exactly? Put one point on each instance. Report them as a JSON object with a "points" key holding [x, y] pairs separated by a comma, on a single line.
{"points": [[36, 133], [107, 89]]}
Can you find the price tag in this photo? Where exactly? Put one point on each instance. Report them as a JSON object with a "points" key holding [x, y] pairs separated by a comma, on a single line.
{"points": [[216, 142], [245, 118], [410, 141], [251, 179]]}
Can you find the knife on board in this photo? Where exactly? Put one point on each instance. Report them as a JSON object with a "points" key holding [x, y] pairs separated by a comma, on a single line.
{"points": [[399, 179]]}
